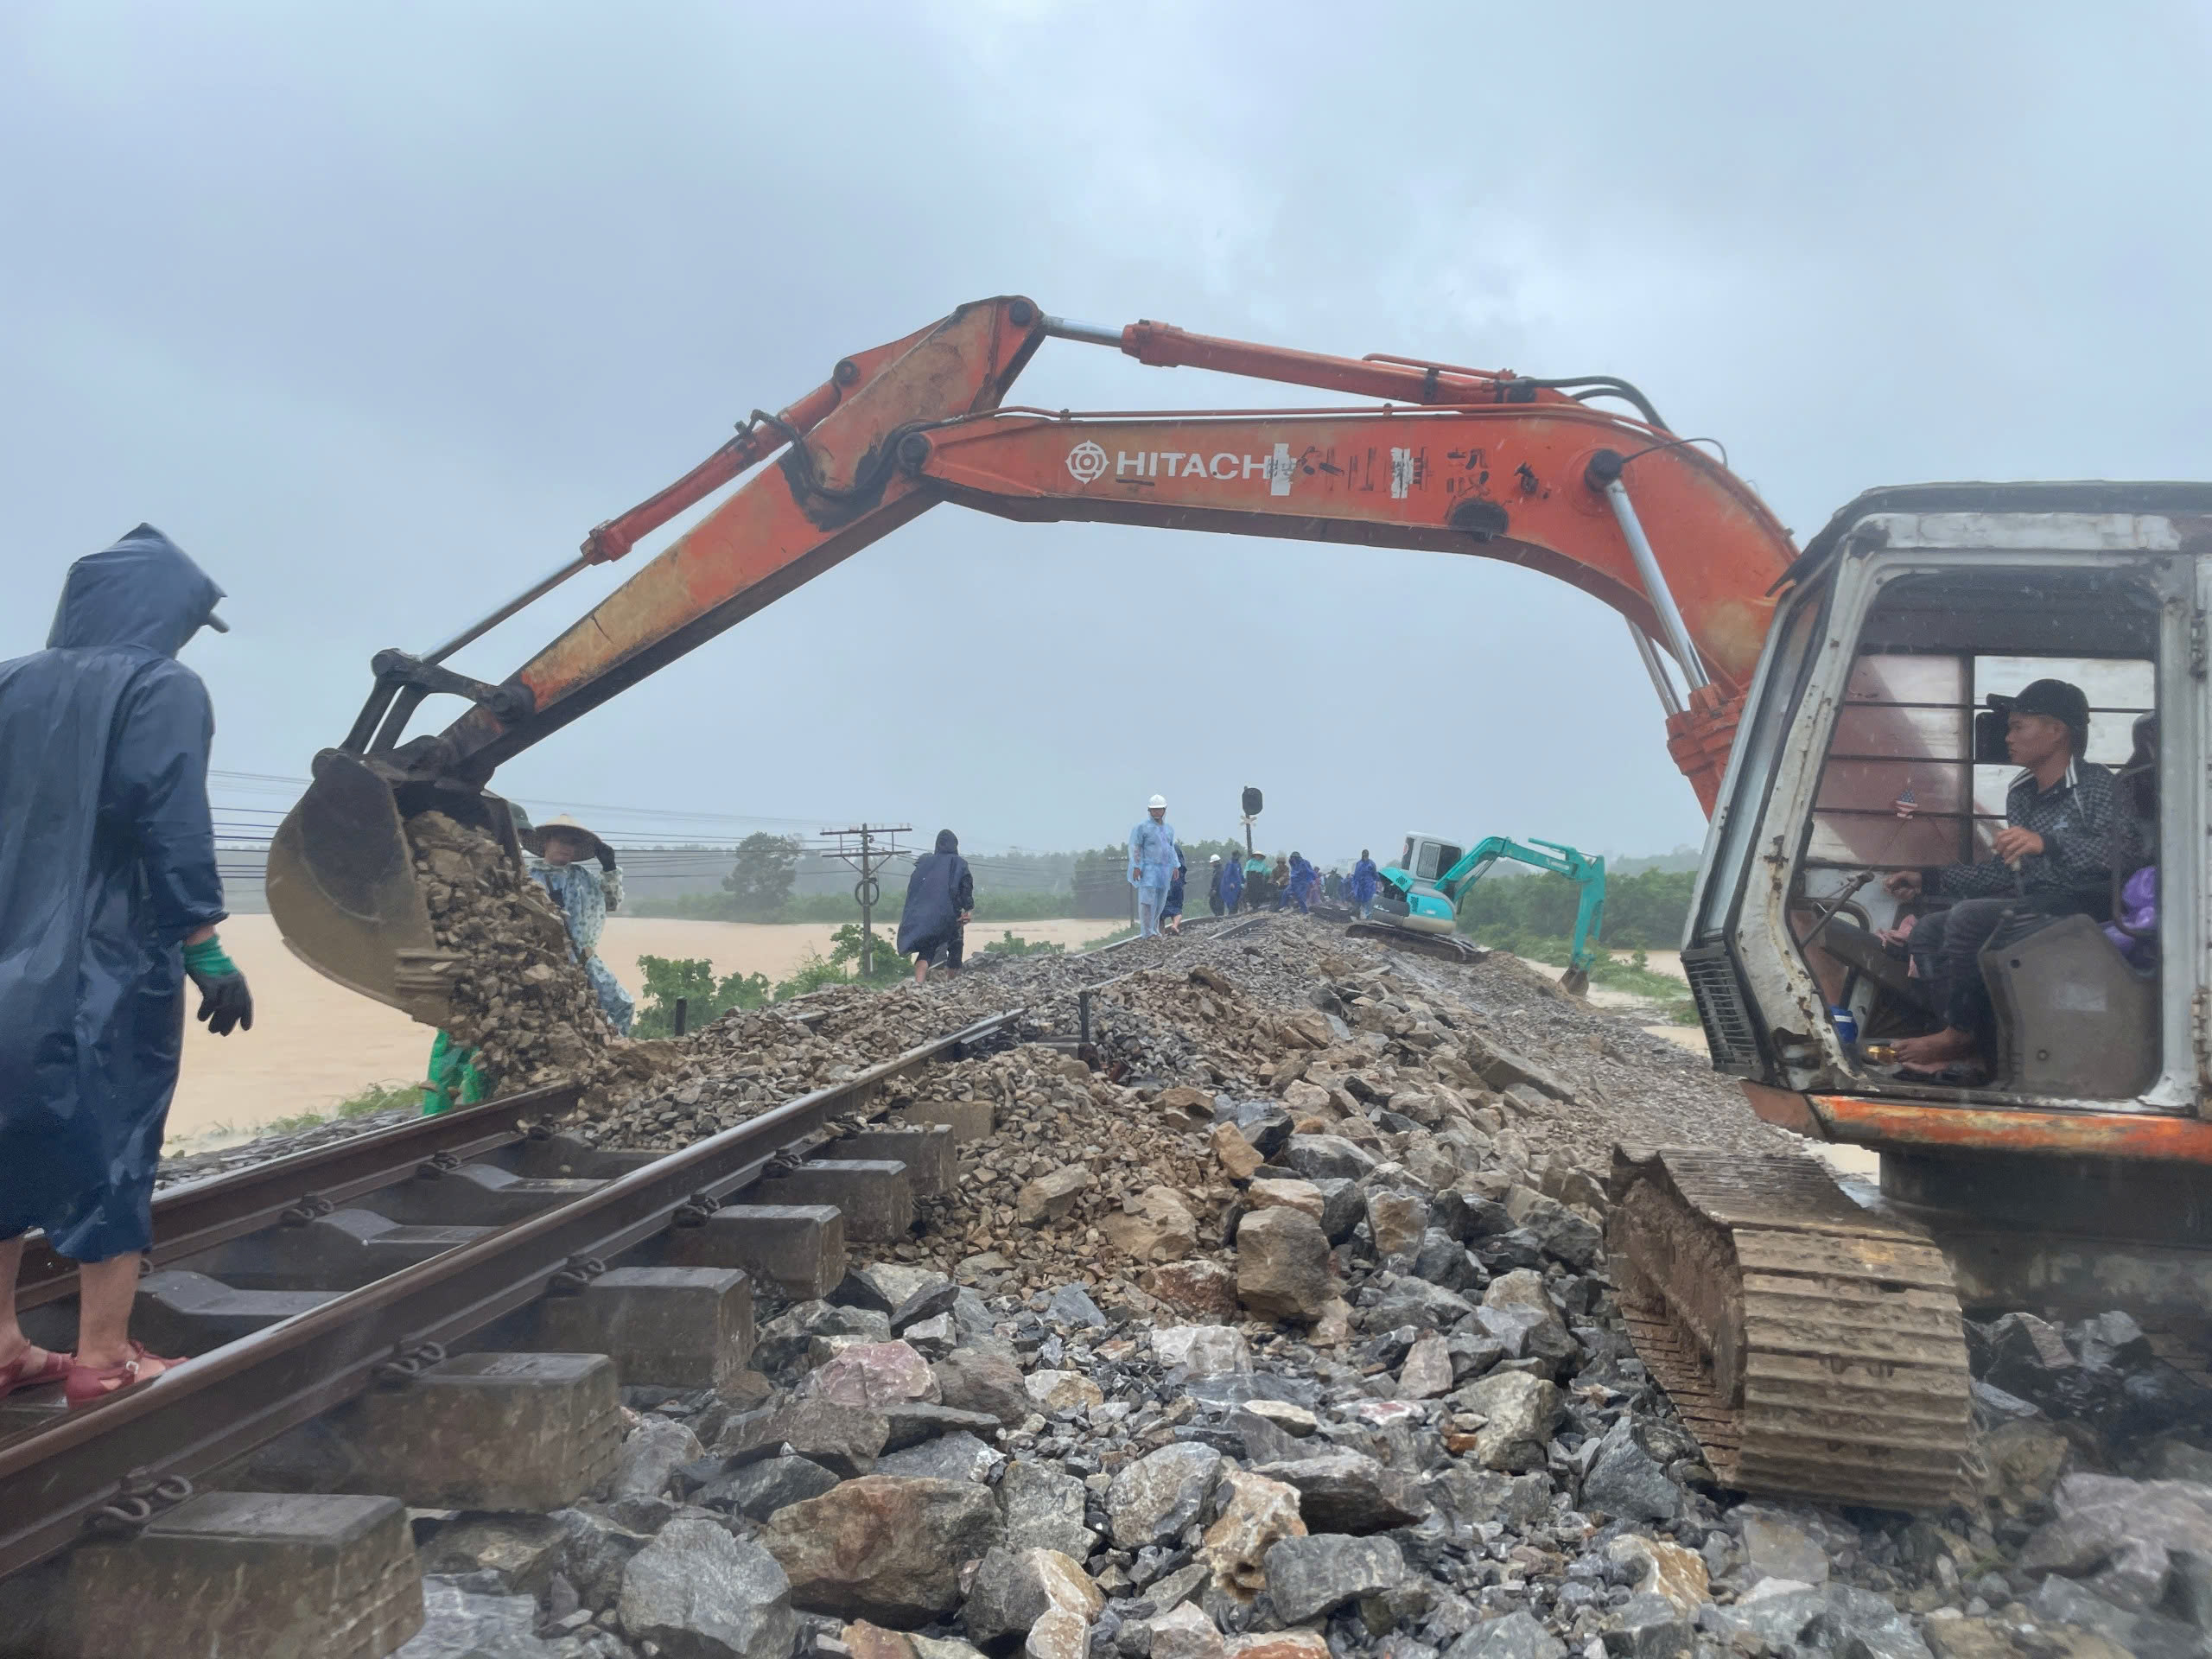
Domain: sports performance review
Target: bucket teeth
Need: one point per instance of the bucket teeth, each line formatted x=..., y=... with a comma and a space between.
x=1814, y=1349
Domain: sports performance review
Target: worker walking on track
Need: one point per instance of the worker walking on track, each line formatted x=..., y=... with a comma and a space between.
x=109, y=898
x=940, y=898
x=1232, y=884
x=1152, y=858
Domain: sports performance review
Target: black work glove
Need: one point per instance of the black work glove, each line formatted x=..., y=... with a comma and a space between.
x=225, y=1004
x=606, y=857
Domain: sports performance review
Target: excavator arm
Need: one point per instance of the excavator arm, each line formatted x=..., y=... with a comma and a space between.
x=1452, y=460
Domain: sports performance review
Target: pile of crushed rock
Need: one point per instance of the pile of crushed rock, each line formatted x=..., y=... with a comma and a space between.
x=518, y=996
x=1297, y=1342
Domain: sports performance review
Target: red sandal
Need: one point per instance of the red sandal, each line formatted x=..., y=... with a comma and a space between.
x=86, y=1384
x=18, y=1373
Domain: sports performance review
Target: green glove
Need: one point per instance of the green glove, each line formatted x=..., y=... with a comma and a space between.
x=225, y=1004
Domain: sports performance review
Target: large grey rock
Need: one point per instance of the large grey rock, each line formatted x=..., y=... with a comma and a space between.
x=888, y=1287
x=1283, y=1268
x=701, y=1594
x=882, y=1548
x=1860, y=1625
x=1521, y=1411
x=1202, y=1350
x=1517, y=1636
x=1014, y=1588
x=1650, y=1627
x=1442, y=1260
x=1331, y=1157
x=912, y=1424
x=1562, y=1234
x=1043, y=1509
x=1308, y=1578
x=958, y=1456
x=845, y=1439
x=1155, y=1497
x=1071, y=1304
x=651, y=1456
x=1777, y=1611
x=1775, y=1547
x=787, y=1340
x=2059, y=1600
x=759, y=1490
x=1347, y=1491
x=458, y=1625
x=2122, y=1534
x=1473, y=1496
x=972, y=1380
x=595, y=1552
x=1344, y=1205
x=1417, y=1302
x=523, y=1551
x=1625, y=1481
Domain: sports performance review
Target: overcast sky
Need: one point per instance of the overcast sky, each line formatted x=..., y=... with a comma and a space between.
x=378, y=316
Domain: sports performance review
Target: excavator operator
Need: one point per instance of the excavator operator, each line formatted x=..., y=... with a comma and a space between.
x=2064, y=830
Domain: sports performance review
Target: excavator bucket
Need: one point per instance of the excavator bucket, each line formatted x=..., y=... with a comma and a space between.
x=342, y=886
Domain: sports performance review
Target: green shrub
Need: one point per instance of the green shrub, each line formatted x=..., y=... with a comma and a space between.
x=706, y=997
x=1013, y=945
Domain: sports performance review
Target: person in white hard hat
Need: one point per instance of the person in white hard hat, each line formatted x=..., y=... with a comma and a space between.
x=1213, y=884
x=1152, y=858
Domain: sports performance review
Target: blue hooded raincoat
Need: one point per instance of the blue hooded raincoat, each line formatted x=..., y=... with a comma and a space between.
x=107, y=860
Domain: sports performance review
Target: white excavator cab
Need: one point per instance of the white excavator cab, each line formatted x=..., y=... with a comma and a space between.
x=1811, y=1328
x=1868, y=748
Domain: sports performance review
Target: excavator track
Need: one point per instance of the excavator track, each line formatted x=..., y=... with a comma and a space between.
x=1449, y=947
x=1814, y=1350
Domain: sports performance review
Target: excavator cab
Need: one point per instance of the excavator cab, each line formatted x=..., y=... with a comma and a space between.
x=1809, y=1328
x=1864, y=749
x=1407, y=895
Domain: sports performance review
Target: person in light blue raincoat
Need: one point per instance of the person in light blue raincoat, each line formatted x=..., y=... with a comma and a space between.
x=1152, y=858
x=579, y=870
x=109, y=898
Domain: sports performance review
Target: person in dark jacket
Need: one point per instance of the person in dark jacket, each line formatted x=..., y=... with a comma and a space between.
x=1213, y=884
x=109, y=898
x=1171, y=913
x=2064, y=830
x=940, y=898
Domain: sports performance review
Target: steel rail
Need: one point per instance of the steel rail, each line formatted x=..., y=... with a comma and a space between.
x=55, y=1479
x=197, y=1215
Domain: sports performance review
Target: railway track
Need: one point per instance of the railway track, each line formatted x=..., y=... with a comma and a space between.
x=297, y=1284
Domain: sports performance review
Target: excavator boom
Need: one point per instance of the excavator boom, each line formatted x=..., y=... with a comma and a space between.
x=1457, y=460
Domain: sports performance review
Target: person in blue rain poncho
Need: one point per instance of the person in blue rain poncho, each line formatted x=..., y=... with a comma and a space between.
x=1232, y=884
x=1302, y=875
x=940, y=898
x=1366, y=881
x=109, y=898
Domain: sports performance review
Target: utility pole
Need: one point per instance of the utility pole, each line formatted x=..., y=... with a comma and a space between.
x=868, y=847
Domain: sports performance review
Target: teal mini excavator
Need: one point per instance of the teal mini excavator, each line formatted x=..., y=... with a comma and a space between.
x=1420, y=892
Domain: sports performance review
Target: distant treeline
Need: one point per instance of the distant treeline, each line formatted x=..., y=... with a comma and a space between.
x=1643, y=912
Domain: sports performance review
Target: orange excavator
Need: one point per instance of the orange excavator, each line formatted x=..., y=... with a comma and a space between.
x=1826, y=704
